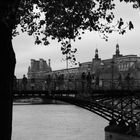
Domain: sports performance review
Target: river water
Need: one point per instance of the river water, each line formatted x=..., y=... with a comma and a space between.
x=56, y=122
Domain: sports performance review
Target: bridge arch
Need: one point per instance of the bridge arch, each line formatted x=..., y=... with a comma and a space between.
x=119, y=107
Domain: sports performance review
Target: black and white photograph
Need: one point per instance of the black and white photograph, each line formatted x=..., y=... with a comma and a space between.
x=70, y=69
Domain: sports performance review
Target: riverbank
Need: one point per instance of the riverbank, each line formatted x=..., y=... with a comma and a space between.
x=117, y=136
x=33, y=101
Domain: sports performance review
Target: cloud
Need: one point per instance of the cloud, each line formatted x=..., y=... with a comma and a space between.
x=129, y=44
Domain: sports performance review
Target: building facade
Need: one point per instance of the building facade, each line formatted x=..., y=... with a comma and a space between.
x=38, y=68
x=117, y=65
x=120, y=65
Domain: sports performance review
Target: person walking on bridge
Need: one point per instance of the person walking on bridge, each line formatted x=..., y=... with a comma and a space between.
x=120, y=81
x=88, y=77
x=127, y=79
x=97, y=82
x=24, y=82
x=83, y=78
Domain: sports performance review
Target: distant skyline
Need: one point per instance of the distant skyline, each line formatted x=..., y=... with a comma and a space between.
x=129, y=43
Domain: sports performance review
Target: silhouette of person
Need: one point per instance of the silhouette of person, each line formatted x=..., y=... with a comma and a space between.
x=132, y=82
x=15, y=83
x=120, y=81
x=61, y=81
x=93, y=79
x=32, y=83
x=24, y=82
x=83, y=78
x=127, y=79
x=48, y=80
x=97, y=82
x=88, y=77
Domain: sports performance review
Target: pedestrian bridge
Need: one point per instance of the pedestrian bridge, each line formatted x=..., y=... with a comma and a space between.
x=120, y=106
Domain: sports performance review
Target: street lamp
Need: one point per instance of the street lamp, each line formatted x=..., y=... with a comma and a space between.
x=67, y=61
x=112, y=73
x=112, y=84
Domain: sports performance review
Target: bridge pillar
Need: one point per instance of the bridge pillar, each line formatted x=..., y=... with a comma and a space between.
x=118, y=136
x=121, y=131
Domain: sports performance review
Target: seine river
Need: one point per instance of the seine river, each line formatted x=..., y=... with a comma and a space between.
x=56, y=122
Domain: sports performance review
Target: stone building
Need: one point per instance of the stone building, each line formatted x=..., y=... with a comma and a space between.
x=105, y=69
x=38, y=68
x=118, y=64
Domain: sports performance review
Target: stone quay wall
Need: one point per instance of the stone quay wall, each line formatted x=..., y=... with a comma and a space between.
x=117, y=136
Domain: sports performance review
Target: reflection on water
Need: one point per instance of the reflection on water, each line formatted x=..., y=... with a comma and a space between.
x=56, y=122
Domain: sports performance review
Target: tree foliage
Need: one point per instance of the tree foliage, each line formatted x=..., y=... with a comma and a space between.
x=64, y=20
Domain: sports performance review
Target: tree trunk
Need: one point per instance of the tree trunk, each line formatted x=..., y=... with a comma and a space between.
x=8, y=61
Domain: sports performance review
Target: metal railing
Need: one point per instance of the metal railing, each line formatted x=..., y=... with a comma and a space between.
x=76, y=84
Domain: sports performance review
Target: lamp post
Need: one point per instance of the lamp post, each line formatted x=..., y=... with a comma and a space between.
x=67, y=72
x=112, y=85
x=67, y=61
x=112, y=73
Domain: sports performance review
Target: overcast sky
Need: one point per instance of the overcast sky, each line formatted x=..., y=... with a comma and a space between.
x=129, y=43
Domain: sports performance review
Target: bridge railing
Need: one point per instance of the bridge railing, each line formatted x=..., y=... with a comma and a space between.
x=75, y=84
